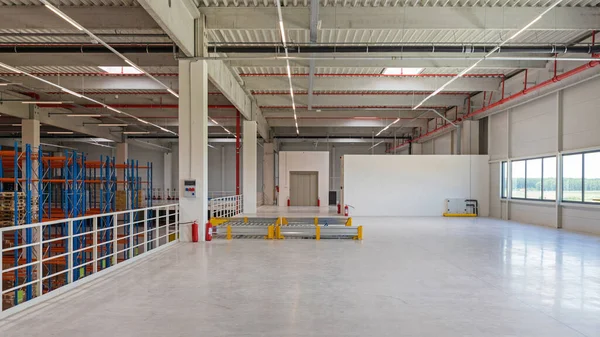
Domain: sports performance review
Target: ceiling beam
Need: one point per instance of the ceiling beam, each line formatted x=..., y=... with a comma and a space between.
x=361, y=100
x=373, y=83
x=16, y=109
x=402, y=18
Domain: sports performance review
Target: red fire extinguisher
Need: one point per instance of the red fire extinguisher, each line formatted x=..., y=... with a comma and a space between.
x=346, y=210
x=195, y=232
x=339, y=208
x=209, y=228
x=319, y=202
x=289, y=203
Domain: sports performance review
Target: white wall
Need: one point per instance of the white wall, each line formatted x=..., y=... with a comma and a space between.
x=413, y=185
x=303, y=161
x=533, y=130
x=336, y=151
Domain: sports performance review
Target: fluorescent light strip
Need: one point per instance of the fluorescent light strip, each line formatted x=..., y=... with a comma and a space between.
x=90, y=34
x=287, y=61
x=71, y=92
x=112, y=124
x=43, y=102
x=465, y=71
x=60, y=132
x=136, y=132
x=62, y=15
x=83, y=115
x=388, y=126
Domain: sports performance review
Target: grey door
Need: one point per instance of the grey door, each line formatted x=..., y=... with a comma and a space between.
x=304, y=188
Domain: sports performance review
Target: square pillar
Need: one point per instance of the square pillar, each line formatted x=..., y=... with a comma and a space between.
x=121, y=158
x=30, y=133
x=268, y=173
x=193, y=145
x=168, y=173
x=249, y=167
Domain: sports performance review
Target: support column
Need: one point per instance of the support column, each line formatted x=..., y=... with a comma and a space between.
x=121, y=158
x=30, y=133
x=249, y=167
x=470, y=137
x=168, y=173
x=193, y=145
x=269, y=173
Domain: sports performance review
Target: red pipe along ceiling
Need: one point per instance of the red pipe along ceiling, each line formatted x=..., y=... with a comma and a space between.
x=519, y=94
x=358, y=93
x=175, y=106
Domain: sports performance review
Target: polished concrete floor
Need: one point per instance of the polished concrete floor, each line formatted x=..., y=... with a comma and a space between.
x=409, y=277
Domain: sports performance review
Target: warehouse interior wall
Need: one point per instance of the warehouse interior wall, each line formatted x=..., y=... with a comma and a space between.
x=413, y=185
x=304, y=161
x=336, y=151
x=561, y=122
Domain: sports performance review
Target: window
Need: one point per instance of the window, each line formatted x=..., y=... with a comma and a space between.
x=591, y=177
x=504, y=182
x=534, y=179
x=572, y=174
x=518, y=179
x=549, y=179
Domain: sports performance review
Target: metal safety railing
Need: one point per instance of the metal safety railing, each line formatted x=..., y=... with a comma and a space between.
x=39, y=259
x=226, y=207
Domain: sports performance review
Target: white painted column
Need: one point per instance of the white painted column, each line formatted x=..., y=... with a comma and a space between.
x=193, y=145
x=30, y=133
x=470, y=137
x=417, y=148
x=121, y=158
x=249, y=166
x=269, y=173
x=168, y=173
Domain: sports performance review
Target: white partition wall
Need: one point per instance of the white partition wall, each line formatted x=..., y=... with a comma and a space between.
x=413, y=185
x=307, y=161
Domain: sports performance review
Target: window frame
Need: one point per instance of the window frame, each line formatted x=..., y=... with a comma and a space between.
x=562, y=178
x=504, y=180
x=541, y=179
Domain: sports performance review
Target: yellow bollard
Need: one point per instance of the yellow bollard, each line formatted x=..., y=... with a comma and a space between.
x=270, y=235
x=228, y=232
x=245, y=219
x=278, y=222
x=278, y=235
x=284, y=221
x=317, y=233
x=359, y=235
x=316, y=221
x=349, y=222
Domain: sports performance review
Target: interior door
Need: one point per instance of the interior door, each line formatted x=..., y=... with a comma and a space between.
x=304, y=190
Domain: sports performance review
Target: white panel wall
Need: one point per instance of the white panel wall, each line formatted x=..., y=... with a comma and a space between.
x=495, y=206
x=581, y=108
x=533, y=128
x=443, y=144
x=428, y=147
x=498, y=142
x=303, y=161
x=533, y=132
x=413, y=185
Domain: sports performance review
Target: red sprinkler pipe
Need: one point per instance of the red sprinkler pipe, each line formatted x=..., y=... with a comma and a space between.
x=237, y=152
x=539, y=86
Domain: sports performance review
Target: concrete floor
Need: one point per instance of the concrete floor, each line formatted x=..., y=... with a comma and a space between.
x=409, y=277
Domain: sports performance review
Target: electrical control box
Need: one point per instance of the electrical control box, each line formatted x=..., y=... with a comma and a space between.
x=458, y=206
x=189, y=188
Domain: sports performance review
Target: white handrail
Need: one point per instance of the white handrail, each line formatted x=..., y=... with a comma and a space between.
x=226, y=207
x=77, y=244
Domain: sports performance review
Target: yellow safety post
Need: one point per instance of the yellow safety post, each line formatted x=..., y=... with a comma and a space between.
x=284, y=221
x=317, y=233
x=228, y=232
x=278, y=235
x=278, y=221
x=453, y=215
x=349, y=222
x=245, y=219
x=359, y=235
x=218, y=221
x=316, y=221
x=270, y=232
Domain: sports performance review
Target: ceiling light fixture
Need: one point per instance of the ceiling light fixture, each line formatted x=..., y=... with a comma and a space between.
x=120, y=70
x=71, y=92
x=45, y=102
x=388, y=126
x=111, y=124
x=62, y=15
x=224, y=128
x=93, y=36
x=402, y=71
x=136, y=132
x=60, y=132
x=83, y=115
x=495, y=49
x=7, y=84
x=287, y=64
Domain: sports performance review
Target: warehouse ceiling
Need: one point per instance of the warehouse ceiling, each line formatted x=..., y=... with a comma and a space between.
x=355, y=66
